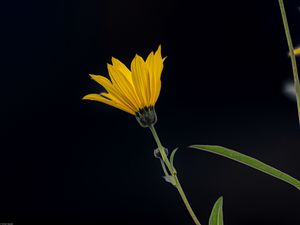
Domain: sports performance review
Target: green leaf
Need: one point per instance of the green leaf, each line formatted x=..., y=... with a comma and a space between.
x=249, y=161
x=172, y=157
x=216, y=216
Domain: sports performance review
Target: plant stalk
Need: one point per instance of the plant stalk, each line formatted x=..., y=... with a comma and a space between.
x=292, y=55
x=174, y=175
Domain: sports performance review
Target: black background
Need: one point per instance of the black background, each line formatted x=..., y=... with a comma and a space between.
x=68, y=161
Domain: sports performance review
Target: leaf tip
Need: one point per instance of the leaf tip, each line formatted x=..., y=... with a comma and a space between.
x=220, y=200
x=193, y=146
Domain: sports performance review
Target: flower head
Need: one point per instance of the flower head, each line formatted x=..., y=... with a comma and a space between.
x=134, y=91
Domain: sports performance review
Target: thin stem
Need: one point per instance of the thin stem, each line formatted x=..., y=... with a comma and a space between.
x=174, y=175
x=186, y=202
x=292, y=54
x=160, y=147
x=164, y=167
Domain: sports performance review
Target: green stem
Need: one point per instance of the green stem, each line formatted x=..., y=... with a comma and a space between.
x=164, y=167
x=292, y=54
x=174, y=175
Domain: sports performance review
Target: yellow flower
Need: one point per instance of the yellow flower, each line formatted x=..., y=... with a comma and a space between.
x=135, y=91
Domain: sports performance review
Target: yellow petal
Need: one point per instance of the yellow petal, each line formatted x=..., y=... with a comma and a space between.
x=153, y=78
x=297, y=51
x=158, y=67
x=99, y=98
x=103, y=81
x=123, y=86
x=114, y=99
x=120, y=66
x=140, y=80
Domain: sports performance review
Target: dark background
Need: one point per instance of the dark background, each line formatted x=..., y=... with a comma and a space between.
x=68, y=161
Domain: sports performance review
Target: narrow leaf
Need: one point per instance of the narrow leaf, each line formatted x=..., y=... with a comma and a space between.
x=172, y=157
x=216, y=216
x=249, y=161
